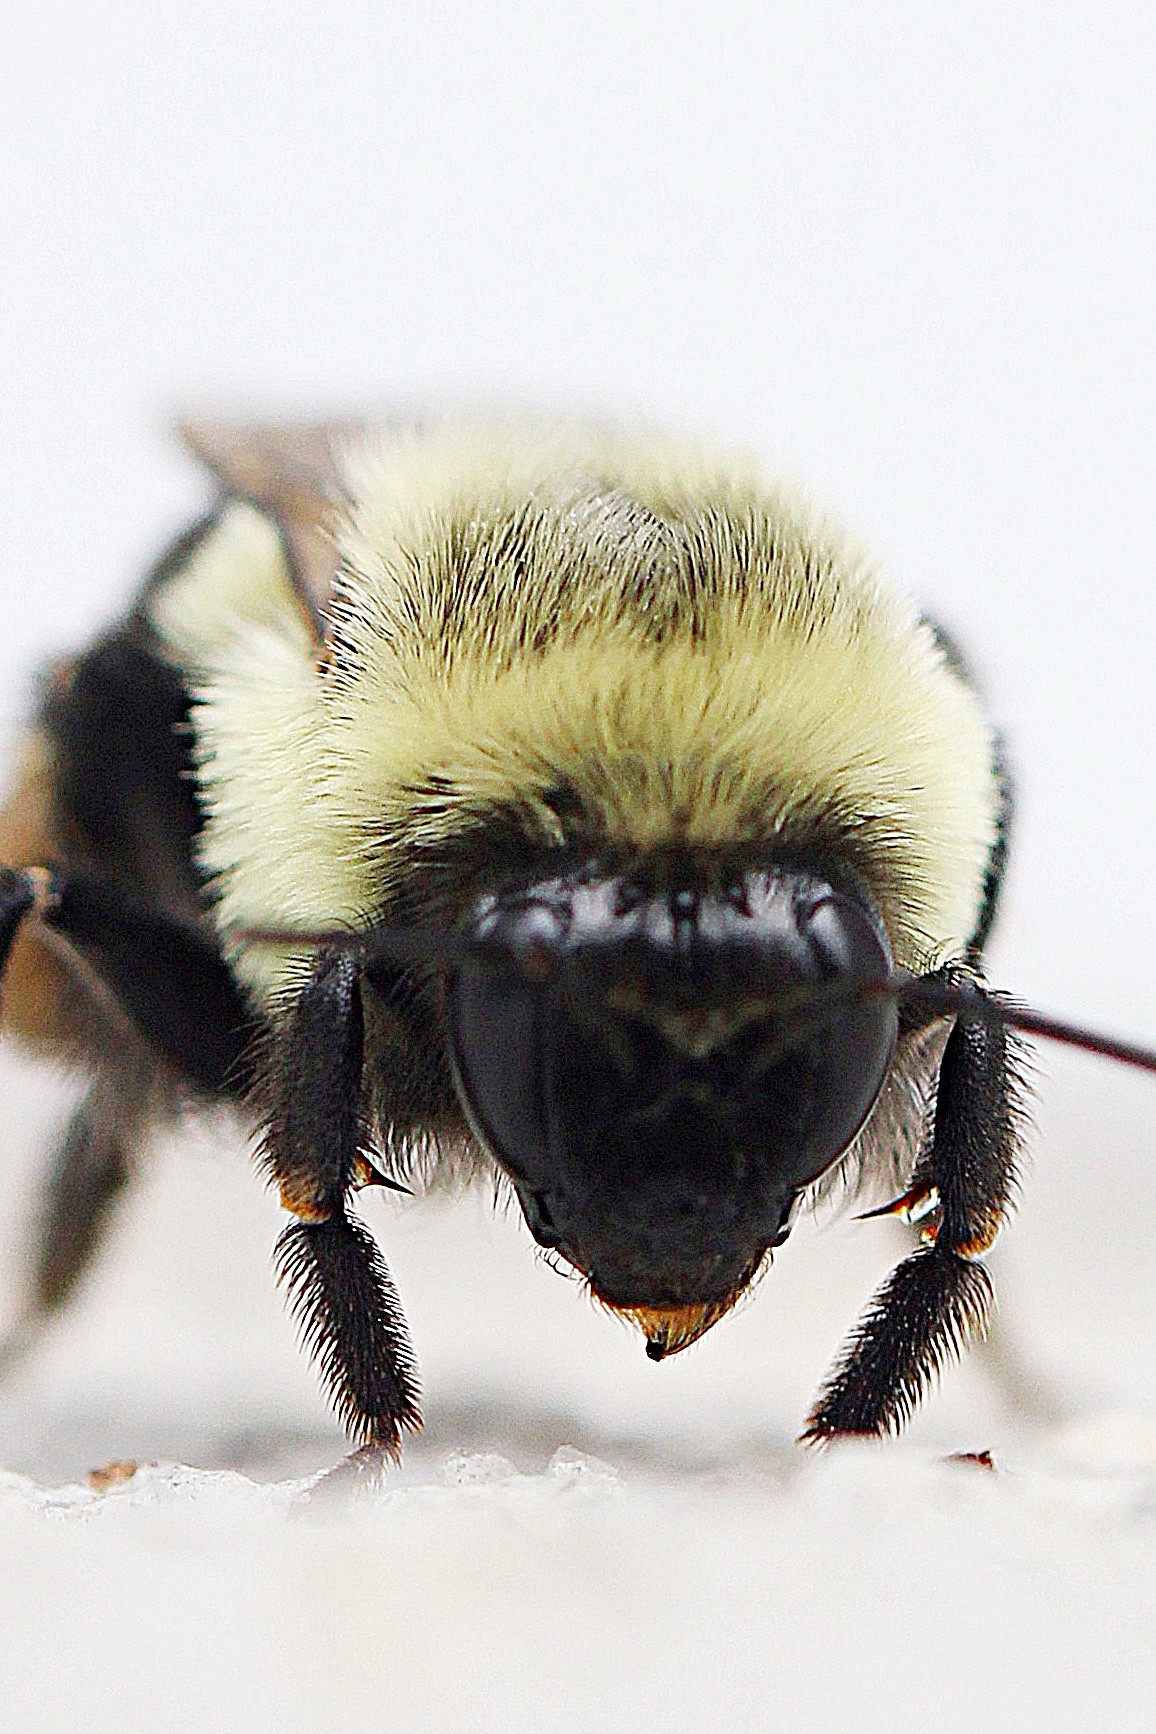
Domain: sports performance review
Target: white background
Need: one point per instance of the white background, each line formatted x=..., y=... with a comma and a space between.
x=907, y=255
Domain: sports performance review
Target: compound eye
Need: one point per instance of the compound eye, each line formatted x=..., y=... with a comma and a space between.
x=845, y=940
x=826, y=1084
x=495, y=1022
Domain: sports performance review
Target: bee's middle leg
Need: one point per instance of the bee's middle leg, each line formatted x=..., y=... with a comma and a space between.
x=91, y=1167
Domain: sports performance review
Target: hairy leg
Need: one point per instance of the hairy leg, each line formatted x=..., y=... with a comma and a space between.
x=90, y=1169
x=940, y=1296
x=91, y=1166
x=338, y=1283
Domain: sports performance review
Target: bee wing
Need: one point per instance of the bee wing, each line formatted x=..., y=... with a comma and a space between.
x=293, y=474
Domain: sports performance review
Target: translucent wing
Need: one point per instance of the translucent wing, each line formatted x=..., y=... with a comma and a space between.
x=293, y=474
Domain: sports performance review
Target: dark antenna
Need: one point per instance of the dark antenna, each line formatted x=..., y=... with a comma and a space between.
x=936, y=994
x=437, y=946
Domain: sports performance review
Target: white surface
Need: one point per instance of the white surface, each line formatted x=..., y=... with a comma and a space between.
x=499, y=1601
x=907, y=257
x=582, y=1537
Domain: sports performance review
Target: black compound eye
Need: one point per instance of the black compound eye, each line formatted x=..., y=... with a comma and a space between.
x=815, y=1071
x=495, y=1022
x=846, y=941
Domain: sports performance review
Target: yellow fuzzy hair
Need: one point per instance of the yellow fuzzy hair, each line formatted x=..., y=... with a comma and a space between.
x=696, y=658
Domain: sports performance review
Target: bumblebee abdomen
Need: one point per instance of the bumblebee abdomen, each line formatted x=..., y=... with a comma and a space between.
x=125, y=801
x=106, y=791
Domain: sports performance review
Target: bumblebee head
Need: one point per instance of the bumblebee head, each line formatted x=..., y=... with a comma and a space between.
x=662, y=1068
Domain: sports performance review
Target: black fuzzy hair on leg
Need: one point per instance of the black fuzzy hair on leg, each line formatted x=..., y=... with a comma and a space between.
x=343, y=1297
x=925, y=1314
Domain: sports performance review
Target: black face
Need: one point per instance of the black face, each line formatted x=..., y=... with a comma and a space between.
x=655, y=1071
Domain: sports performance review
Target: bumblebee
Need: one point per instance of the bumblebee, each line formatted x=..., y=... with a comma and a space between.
x=570, y=806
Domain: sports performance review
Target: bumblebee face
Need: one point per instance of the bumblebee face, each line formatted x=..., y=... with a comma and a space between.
x=655, y=1071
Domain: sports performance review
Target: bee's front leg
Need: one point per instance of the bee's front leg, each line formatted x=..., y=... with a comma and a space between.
x=338, y=1283
x=165, y=976
x=939, y=1297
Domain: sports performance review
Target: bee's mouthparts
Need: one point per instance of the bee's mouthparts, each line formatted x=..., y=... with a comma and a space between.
x=669, y=1329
